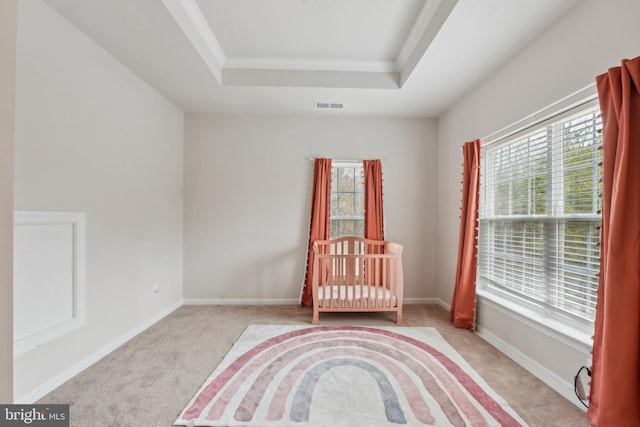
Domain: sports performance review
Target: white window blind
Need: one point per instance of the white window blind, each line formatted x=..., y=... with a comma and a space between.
x=539, y=217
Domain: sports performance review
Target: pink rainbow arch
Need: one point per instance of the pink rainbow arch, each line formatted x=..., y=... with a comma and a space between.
x=380, y=346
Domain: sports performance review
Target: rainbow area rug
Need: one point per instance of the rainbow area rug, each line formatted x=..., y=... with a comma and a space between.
x=351, y=376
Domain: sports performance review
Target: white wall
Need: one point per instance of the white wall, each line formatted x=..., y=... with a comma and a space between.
x=247, y=199
x=92, y=137
x=8, y=18
x=592, y=37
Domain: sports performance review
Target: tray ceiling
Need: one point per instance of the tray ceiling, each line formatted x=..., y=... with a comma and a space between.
x=408, y=58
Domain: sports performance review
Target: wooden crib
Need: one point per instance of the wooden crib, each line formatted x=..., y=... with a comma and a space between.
x=354, y=274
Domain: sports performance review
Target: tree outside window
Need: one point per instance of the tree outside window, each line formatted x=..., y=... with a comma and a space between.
x=347, y=200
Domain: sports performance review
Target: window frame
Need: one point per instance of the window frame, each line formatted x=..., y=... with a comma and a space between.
x=358, y=166
x=552, y=317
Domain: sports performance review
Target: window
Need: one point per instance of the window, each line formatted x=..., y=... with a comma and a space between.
x=347, y=200
x=539, y=214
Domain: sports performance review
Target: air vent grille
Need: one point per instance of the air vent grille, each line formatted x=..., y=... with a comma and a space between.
x=329, y=105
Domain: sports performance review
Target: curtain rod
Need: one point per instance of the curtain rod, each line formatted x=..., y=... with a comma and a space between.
x=349, y=161
x=580, y=96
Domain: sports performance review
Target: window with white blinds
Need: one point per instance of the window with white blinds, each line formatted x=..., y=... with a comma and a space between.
x=539, y=217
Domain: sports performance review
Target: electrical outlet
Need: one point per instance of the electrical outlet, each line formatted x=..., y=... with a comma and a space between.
x=156, y=288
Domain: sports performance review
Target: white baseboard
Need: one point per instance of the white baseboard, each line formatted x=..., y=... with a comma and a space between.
x=59, y=379
x=410, y=301
x=541, y=372
x=290, y=301
x=240, y=301
x=443, y=304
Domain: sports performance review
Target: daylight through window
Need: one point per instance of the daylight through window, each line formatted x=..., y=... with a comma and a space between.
x=539, y=217
x=347, y=200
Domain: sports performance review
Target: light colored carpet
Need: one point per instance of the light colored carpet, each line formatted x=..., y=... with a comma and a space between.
x=150, y=379
x=345, y=376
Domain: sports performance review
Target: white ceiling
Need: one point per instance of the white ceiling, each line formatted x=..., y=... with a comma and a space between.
x=409, y=58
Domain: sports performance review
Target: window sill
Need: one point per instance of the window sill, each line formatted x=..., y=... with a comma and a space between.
x=553, y=328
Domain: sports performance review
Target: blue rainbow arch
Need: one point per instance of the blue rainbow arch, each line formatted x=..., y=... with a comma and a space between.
x=302, y=398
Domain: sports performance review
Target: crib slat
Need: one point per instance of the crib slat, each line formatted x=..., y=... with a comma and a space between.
x=381, y=284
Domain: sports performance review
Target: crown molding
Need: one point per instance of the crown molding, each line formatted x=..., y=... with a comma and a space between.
x=289, y=72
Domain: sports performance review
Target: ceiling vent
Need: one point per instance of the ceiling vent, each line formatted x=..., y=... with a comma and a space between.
x=329, y=105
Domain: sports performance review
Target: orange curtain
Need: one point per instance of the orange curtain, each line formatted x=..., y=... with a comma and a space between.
x=615, y=383
x=373, y=210
x=463, y=304
x=319, y=228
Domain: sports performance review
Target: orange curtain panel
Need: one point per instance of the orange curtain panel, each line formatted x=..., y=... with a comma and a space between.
x=615, y=383
x=319, y=228
x=463, y=304
x=373, y=209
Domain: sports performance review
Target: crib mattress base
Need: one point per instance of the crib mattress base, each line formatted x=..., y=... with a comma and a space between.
x=360, y=296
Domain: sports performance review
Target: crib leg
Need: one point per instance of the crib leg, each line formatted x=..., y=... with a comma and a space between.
x=315, y=319
x=399, y=318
